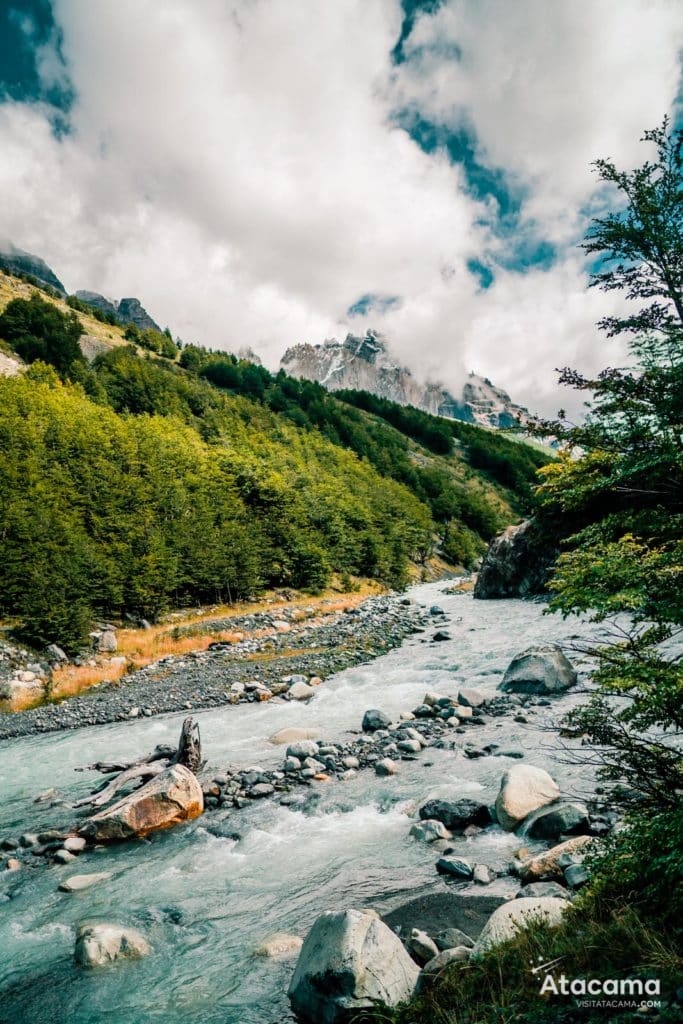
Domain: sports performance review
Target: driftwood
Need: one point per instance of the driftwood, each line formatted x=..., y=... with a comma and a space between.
x=187, y=753
x=189, y=750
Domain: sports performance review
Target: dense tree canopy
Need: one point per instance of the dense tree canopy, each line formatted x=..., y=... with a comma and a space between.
x=36, y=329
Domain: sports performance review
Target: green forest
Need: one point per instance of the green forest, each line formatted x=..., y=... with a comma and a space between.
x=143, y=481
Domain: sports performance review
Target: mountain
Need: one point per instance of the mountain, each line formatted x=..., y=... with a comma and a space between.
x=367, y=364
x=17, y=261
x=126, y=311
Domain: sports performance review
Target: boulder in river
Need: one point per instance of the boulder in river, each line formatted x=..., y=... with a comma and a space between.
x=301, y=691
x=280, y=946
x=374, y=719
x=430, y=830
x=551, y=863
x=350, y=961
x=514, y=916
x=517, y=563
x=77, y=883
x=470, y=697
x=456, y=814
x=540, y=670
x=292, y=735
x=171, y=797
x=100, y=944
x=302, y=749
x=556, y=820
x=524, y=788
x=455, y=867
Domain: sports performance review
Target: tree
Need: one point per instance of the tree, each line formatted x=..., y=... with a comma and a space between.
x=38, y=330
x=625, y=493
x=641, y=247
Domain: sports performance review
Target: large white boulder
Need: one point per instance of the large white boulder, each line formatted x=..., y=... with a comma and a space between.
x=543, y=669
x=524, y=788
x=100, y=944
x=512, y=917
x=350, y=961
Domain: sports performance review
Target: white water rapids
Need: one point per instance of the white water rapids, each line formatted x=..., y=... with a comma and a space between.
x=206, y=902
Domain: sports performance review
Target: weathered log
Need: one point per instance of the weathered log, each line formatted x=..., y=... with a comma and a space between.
x=190, y=746
x=188, y=753
x=139, y=772
x=161, y=752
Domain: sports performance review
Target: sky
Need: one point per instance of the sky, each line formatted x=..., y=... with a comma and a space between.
x=267, y=172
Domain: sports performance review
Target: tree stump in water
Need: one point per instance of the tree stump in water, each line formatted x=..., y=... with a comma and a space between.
x=190, y=746
x=188, y=753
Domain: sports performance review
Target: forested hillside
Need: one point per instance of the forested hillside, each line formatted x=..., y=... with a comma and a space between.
x=140, y=481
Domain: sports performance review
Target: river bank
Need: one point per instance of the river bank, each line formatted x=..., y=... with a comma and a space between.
x=278, y=645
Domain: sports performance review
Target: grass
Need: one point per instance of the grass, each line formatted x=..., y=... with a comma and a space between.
x=184, y=632
x=597, y=939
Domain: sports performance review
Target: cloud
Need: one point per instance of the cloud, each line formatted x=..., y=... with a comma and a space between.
x=242, y=168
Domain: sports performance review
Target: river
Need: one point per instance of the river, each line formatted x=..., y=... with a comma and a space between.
x=204, y=901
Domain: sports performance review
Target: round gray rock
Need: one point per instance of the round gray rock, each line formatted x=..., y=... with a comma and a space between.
x=374, y=719
x=542, y=669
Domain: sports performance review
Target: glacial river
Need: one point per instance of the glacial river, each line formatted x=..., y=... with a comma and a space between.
x=205, y=902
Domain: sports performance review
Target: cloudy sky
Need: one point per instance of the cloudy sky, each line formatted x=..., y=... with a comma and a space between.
x=264, y=172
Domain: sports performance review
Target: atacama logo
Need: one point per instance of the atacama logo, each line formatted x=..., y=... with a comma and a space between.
x=604, y=992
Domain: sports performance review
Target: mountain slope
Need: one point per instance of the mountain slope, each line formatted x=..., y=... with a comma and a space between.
x=138, y=483
x=366, y=364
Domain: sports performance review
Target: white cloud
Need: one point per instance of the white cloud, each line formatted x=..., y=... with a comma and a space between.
x=236, y=166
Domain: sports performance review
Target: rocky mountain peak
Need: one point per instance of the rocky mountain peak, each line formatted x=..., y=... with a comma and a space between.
x=17, y=261
x=366, y=363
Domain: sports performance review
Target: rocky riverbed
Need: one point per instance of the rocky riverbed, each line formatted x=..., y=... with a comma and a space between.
x=257, y=668
x=284, y=838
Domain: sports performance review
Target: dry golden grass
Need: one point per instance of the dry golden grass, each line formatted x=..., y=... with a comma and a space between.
x=73, y=679
x=191, y=631
x=22, y=701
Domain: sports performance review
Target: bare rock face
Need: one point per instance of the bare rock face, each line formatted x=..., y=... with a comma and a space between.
x=172, y=797
x=523, y=789
x=539, y=670
x=517, y=563
x=508, y=920
x=18, y=261
x=131, y=311
x=366, y=363
x=350, y=961
x=101, y=944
